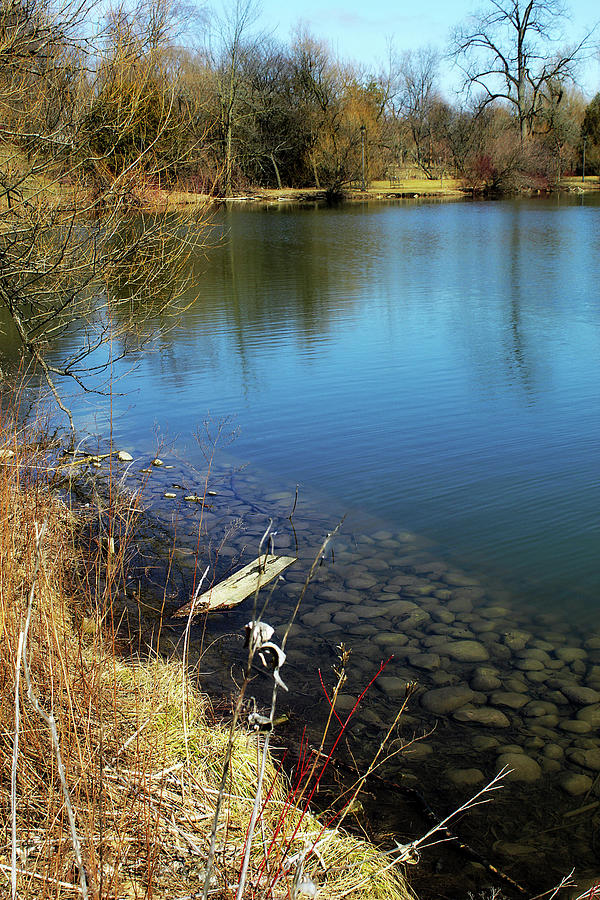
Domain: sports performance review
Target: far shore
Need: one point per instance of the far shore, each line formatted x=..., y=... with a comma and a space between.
x=406, y=189
x=409, y=188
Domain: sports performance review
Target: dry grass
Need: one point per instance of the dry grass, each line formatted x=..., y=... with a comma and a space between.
x=142, y=787
x=575, y=184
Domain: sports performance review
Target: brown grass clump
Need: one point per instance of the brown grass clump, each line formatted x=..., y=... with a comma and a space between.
x=128, y=783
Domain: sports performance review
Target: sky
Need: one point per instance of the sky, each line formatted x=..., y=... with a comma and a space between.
x=359, y=30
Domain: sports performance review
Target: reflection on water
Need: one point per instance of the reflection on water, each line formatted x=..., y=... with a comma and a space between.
x=434, y=367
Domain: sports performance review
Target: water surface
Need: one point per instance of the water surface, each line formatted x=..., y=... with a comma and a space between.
x=433, y=364
x=433, y=370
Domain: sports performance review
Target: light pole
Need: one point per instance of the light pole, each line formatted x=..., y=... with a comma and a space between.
x=363, y=129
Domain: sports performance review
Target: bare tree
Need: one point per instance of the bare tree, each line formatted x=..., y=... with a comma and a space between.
x=514, y=52
x=316, y=92
x=417, y=77
x=232, y=38
x=82, y=136
x=560, y=126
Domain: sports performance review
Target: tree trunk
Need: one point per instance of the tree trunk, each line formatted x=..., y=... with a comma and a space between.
x=316, y=174
x=277, y=175
x=228, y=160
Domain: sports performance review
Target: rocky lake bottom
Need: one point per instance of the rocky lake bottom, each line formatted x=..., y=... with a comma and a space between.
x=500, y=682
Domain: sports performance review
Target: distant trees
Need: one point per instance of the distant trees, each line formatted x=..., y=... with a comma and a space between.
x=272, y=114
x=232, y=42
x=418, y=99
x=514, y=53
x=318, y=92
x=590, y=131
x=559, y=129
x=291, y=115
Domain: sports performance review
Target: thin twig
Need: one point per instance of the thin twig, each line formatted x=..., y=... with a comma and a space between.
x=50, y=721
x=184, y=676
x=13, y=774
x=265, y=750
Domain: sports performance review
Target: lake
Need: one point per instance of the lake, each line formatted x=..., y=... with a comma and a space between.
x=432, y=369
x=433, y=364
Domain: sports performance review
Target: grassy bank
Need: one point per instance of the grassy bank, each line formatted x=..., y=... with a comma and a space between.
x=405, y=188
x=412, y=186
x=111, y=766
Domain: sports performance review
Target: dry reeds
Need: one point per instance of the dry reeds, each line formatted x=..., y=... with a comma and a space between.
x=104, y=793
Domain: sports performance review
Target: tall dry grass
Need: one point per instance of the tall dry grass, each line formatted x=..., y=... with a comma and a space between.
x=110, y=770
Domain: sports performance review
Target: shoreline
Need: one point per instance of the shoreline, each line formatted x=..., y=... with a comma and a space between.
x=384, y=191
x=424, y=767
x=138, y=745
x=158, y=200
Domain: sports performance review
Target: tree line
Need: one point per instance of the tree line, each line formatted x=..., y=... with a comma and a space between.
x=271, y=114
x=210, y=103
x=101, y=106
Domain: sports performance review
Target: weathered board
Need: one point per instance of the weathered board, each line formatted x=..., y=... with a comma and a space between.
x=239, y=585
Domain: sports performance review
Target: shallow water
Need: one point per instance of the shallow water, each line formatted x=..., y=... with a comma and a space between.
x=498, y=683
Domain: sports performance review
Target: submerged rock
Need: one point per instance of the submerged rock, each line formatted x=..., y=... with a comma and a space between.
x=486, y=715
x=428, y=661
x=529, y=664
x=441, y=677
x=485, y=679
x=496, y=612
x=345, y=702
x=575, y=726
x=465, y=777
x=464, y=651
x=508, y=698
x=570, y=654
x=485, y=742
x=417, y=751
x=575, y=784
x=590, y=714
x=524, y=768
x=539, y=708
x=576, y=693
x=444, y=700
x=516, y=685
x=391, y=639
x=392, y=687
x=516, y=640
x=553, y=751
x=399, y=607
x=591, y=759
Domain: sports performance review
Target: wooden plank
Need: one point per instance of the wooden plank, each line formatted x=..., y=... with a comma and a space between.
x=239, y=585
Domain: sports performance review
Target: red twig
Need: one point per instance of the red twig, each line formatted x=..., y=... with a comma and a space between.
x=382, y=666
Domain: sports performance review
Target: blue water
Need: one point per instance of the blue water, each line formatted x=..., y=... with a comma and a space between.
x=436, y=365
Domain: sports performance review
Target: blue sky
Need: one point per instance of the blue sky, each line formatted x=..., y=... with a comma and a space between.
x=358, y=30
